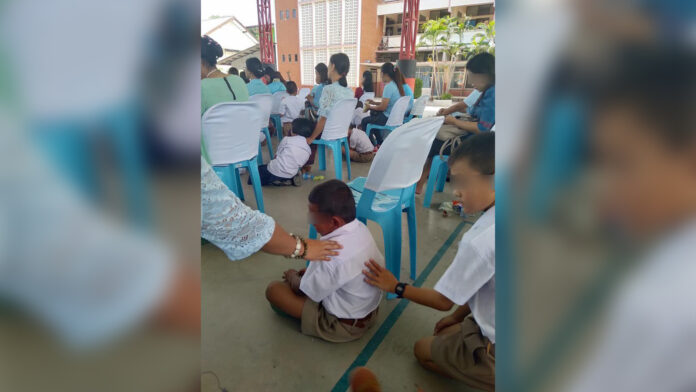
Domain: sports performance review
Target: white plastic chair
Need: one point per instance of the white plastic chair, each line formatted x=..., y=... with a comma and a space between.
x=275, y=112
x=265, y=103
x=335, y=134
x=230, y=134
x=418, y=107
x=390, y=186
x=396, y=117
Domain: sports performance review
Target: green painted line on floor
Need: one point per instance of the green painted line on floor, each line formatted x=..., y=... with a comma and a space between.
x=379, y=336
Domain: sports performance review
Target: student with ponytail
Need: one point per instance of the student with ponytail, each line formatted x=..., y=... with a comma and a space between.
x=395, y=88
x=339, y=65
x=255, y=72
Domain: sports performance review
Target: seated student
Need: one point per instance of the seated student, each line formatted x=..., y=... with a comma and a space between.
x=293, y=152
x=290, y=107
x=463, y=346
x=393, y=90
x=321, y=75
x=361, y=148
x=255, y=73
x=331, y=298
x=276, y=82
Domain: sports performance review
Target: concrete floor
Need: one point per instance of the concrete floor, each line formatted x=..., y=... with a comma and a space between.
x=251, y=348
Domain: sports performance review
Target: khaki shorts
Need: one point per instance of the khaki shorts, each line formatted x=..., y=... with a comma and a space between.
x=287, y=127
x=316, y=321
x=361, y=157
x=464, y=355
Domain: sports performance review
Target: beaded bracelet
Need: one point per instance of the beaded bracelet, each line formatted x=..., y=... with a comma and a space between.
x=298, y=246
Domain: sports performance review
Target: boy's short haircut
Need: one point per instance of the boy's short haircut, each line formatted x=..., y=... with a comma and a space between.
x=302, y=127
x=291, y=87
x=479, y=151
x=658, y=84
x=334, y=198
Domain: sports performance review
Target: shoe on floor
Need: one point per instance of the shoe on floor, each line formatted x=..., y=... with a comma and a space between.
x=297, y=180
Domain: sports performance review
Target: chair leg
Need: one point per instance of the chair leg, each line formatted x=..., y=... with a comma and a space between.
x=369, y=131
x=432, y=180
x=269, y=143
x=391, y=230
x=239, y=182
x=236, y=182
x=441, y=176
x=256, y=182
x=412, y=239
x=347, y=147
x=278, y=126
x=321, y=154
x=312, y=232
x=259, y=158
x=338, y=161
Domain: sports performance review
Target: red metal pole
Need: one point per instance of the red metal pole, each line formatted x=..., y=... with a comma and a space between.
x=407, y=51
x=265, y=31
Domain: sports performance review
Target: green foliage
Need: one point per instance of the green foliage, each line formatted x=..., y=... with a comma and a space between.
x=418, y=89
x=446, y=96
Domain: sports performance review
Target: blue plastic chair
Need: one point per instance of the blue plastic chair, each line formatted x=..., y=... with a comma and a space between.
x=278, y=126
x=230, y=176
x=389, y=190
x=230, y=134
x=396, y=117
x=269, y=143
x=265, y=103
x=418, y=108
x=436, y=178
x=335, y=135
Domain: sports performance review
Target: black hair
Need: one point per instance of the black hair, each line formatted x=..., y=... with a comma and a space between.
x=210, y=51
x=253, y=65
x=482, y=63
x=233, y=71
x=658, y=84
x=291, y=87
x=367, y=82
x=479, y=151
x=395, y=75
x=302, y=126
x=323, y=71
x=270, y=72
x=334, y=198
x=244, y=77
x=341, y=64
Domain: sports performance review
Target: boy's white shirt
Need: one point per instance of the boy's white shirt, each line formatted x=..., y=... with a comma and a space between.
x=290, y=108
x=650, y=329
x=471, y=276
x=293, y=152
x=360, y=142
x=339, y=284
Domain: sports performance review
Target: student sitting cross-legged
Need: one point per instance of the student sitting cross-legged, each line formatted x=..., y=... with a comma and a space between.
x=331, y=298
x=463, y=344
x=293, y=152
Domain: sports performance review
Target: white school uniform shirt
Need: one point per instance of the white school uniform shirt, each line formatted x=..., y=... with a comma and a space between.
x=647, y=343
x=290, y=108
x=339, y=284
x=360, y=142
x=471, y=276
x=293, y=152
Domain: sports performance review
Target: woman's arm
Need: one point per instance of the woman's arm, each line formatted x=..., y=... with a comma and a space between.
x=380, y=277
x=282, y=243
x=317, y=130
x=470, y=126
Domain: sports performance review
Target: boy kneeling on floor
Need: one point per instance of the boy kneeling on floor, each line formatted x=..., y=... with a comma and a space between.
x=463, y=344
x=331, y=298
x=293, y=152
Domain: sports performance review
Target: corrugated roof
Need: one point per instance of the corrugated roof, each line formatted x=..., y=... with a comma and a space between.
x=229, y=33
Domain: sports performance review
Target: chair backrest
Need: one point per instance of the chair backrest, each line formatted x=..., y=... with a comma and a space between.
x=337, y=123
x=396, y=117
x=277, y=98
x=399, y=161
x=230, y=132
x=304, y=92
x=366, y=96
x=419, y=106
x=265, y=103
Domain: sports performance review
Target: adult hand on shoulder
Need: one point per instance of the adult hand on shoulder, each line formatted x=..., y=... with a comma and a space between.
x=319, y=250
x=445, y=322
x=379, y=276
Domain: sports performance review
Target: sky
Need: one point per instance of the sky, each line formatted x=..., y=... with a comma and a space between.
x=244, y=10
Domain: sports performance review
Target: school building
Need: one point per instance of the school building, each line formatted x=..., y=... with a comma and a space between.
x=368, y=31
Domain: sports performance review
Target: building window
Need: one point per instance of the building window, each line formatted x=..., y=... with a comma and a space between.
x=281, y=14
x=283, y=58
x=295, y=57
x=287, y=14
x=294, y=13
